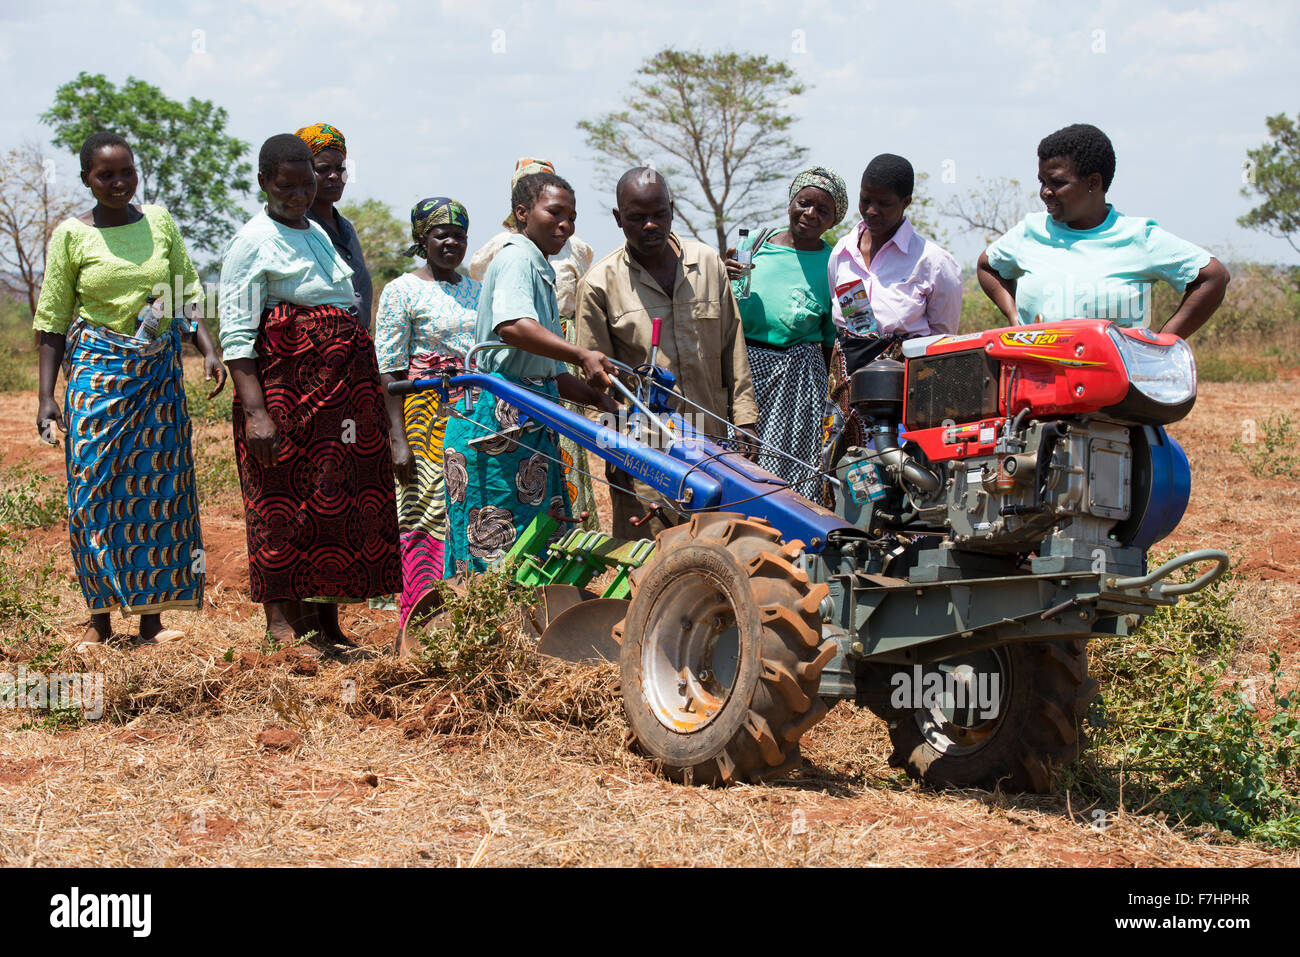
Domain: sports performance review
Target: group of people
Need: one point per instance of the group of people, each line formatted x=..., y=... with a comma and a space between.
x=351, y=493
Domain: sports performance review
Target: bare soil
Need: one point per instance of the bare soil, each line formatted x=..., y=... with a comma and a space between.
x=239, y=754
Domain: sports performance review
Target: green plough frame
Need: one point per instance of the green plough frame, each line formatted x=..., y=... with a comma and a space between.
x=575, y=559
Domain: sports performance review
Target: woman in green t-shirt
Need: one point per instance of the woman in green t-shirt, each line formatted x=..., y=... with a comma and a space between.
x=786, y=316
x=115, y=277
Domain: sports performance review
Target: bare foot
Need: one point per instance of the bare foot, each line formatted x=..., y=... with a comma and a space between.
x=327, y=616
x=281, y=621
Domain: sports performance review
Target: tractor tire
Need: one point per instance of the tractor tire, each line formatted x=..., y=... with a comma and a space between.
x=722, y=652
x=1044, y=697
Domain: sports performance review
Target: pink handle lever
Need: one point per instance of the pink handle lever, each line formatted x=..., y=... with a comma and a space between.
x=656, y=323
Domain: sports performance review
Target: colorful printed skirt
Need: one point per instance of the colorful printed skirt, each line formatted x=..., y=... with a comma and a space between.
x=495, y=487
x=577, y=470
x=790, y=386
x=132, y=508
x=322, y=520
x=422, y=503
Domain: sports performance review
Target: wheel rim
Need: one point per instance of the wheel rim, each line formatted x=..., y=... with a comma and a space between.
x=691, y=653
x=960, y=726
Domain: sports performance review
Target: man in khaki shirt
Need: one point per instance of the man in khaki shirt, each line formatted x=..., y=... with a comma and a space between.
x=685, y=282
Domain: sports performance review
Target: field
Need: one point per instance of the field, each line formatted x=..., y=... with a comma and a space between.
x=223, y=749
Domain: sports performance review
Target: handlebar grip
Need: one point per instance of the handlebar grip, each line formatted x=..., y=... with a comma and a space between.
x=408, y=386
x=655, y=325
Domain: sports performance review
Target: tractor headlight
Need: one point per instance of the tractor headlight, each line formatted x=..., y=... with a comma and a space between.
x=1163, y=373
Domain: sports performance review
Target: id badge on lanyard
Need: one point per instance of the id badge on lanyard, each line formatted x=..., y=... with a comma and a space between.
x=854, y=297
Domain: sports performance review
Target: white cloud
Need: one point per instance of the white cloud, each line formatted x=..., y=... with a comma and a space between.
x=429, y=109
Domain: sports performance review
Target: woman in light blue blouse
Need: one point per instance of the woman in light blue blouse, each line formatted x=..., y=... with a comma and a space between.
x=425, y=322
x=311, y=436
x=1084, y=259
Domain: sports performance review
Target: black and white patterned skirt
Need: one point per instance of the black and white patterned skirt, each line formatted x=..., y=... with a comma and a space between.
x=791, y=387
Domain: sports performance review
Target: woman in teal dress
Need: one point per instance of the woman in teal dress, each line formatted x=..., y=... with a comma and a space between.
x=786, y=316
x=115, y=278
x=499, y=478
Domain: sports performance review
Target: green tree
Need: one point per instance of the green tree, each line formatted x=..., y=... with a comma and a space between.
x=185, y=159
x=383, y=239
x=716, y=126
x=1273, y=173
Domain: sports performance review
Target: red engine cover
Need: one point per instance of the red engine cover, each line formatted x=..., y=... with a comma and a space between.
x=1053, y=369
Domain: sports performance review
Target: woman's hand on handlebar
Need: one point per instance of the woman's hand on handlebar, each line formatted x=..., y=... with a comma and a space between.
x=597, y=369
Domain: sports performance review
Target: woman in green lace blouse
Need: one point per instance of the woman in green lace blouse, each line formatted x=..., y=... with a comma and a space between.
x=115, y=278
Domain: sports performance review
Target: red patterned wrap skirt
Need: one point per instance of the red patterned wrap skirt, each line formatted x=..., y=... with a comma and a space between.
x=321, y=520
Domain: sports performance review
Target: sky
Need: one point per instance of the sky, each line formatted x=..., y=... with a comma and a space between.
x=440, y=98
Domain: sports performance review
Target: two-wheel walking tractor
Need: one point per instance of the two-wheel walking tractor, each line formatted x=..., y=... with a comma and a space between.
x=994, y=520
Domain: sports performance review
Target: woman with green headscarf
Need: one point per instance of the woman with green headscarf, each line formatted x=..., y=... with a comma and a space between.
x=425, y=321
x=786, y=316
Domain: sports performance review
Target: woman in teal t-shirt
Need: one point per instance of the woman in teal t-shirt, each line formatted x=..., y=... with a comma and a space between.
x=786, y=318
x=500, y=475
x=1083, y=259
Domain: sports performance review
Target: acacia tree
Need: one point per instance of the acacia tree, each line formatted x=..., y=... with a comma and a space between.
x=185, y=159
x=716, y=126
x=991, y=208
x=32, y=204
x=1273, y=173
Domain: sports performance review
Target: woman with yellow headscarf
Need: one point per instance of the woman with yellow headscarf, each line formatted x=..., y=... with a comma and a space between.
x=329, y=160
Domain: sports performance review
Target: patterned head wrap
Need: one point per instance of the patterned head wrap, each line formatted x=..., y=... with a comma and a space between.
x=830, y=182
x=322, y=136
x=525, y=166
x=435, y=211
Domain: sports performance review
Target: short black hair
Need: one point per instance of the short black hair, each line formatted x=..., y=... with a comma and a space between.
x=1087, y=147
x=96, y=142
x=530, y=187
x=892, y=172
x=639, y=175
x=282, y=148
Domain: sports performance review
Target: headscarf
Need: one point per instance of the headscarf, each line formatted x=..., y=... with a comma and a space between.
x=435, y=211
x=830, y=182
x=525, y=166
x=322, y=136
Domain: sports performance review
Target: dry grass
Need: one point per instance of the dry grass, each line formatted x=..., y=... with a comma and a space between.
x=377, y=761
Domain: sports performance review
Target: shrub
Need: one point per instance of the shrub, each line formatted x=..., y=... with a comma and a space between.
x=1174, y=732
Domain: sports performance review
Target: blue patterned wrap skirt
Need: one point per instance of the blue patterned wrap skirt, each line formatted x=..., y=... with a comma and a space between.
x=132, y=507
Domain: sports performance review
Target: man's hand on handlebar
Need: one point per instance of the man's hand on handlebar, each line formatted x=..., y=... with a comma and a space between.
x=744, y=444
